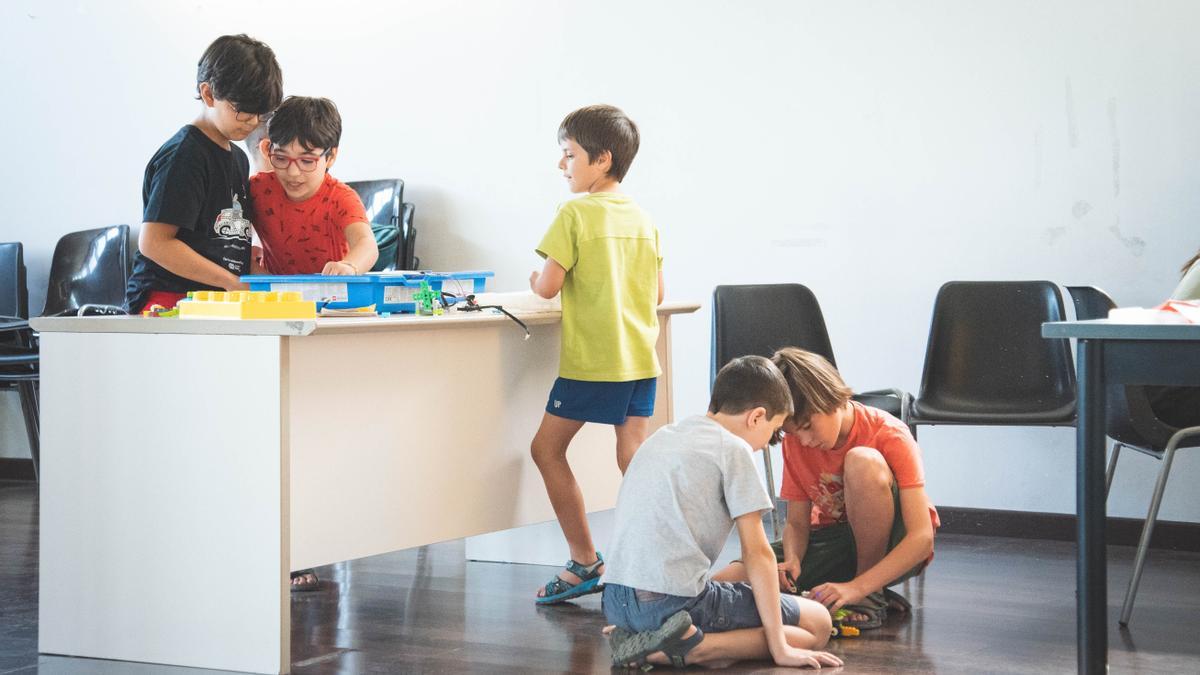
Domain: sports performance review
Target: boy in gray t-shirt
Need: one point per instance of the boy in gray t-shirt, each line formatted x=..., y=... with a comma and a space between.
x=687, y=487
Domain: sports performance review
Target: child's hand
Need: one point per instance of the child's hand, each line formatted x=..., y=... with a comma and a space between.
x=789, y=571
x=338, y=268
x=805, y=658
x=834, y=596
x=533, y=279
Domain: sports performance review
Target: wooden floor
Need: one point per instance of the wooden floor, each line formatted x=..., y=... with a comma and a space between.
x=993, y=605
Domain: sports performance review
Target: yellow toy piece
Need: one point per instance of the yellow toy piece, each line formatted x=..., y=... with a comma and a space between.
x=246, y=305
x=846, y=631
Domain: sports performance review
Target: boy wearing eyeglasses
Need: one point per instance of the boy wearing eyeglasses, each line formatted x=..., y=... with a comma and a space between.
x=194, y=234
x=308, y=221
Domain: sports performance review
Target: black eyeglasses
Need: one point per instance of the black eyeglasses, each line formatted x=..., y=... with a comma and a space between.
x=240, y=116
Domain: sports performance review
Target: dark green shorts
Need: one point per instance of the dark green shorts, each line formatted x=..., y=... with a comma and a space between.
x=833, y=556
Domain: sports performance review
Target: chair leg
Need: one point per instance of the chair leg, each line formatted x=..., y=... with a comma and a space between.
x=1112, y=469
x=1147, y=530
x=29, y=409
x=776, y=531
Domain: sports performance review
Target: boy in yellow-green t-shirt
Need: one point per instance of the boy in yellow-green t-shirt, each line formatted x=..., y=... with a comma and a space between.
x=602, y=253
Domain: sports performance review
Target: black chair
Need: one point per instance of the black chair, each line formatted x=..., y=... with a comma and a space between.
x=762, y=318
x=14, y=294
x=18, y=369
x=1132, y=423
x=88, y=268
x=986, y=362
x=386, y=211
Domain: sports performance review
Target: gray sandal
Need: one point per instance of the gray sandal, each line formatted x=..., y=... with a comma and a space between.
x=631, y=649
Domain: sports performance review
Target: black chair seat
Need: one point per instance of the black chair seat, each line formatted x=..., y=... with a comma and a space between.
x=995, y=413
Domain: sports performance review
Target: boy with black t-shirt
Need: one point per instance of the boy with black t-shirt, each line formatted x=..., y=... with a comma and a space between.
x=196, y=187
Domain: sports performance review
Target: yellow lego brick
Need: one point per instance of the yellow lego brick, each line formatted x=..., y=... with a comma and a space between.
x=246, y=305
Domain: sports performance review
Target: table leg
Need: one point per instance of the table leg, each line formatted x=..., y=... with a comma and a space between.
x=1092, y=589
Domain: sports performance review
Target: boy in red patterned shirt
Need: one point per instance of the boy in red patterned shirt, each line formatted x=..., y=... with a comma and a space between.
x=308, y=221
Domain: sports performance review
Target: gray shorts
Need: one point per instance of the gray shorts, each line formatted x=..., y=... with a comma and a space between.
x=721, y=606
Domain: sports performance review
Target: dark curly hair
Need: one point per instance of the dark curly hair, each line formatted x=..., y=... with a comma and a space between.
x=243, y=71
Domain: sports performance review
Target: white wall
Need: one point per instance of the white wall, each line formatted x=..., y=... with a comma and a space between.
x=869, y=150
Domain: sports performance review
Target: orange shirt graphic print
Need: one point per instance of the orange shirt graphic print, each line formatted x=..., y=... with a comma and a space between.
x=831, y=495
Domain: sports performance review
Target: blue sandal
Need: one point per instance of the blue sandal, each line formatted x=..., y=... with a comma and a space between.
x=559, y=590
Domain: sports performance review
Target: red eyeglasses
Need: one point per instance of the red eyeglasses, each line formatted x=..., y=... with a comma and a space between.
x=307, y=163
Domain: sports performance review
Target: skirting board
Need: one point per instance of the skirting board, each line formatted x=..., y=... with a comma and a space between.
x=1169, y=535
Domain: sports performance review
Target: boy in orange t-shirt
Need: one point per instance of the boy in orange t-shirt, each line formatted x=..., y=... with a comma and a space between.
x=308, y=221
x=858, y=518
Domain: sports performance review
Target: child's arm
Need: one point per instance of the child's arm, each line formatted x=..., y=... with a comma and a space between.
x=256, y=261
x=549, y=282
x=362, y=254
x=158, y=242
x=916, y=546
x=795, y=543
x=759, y=560
x=256, y=254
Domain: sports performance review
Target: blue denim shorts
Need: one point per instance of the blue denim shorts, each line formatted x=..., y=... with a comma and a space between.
x=721, y=606
x=602, y=402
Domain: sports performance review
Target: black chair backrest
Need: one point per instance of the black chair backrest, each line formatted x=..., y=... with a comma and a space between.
x=381, y=198
x=761, y=318
x=14, y=294
x=986, y=361
x=91, y=266
x=406, y=257
x=1090, y=302
x=1130, y=418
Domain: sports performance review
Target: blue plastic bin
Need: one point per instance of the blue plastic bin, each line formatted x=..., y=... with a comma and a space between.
x=465, y=283
x=337, y=292
x=388, y=291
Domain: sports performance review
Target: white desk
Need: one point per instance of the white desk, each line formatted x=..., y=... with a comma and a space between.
x=176, y=495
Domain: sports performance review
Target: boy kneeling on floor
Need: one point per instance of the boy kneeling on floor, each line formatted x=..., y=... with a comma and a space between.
x=683, y=493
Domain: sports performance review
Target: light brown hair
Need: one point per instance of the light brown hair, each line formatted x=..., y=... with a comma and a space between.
x=815, y=385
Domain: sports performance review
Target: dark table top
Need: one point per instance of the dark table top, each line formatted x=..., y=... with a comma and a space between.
x=1107, y=329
